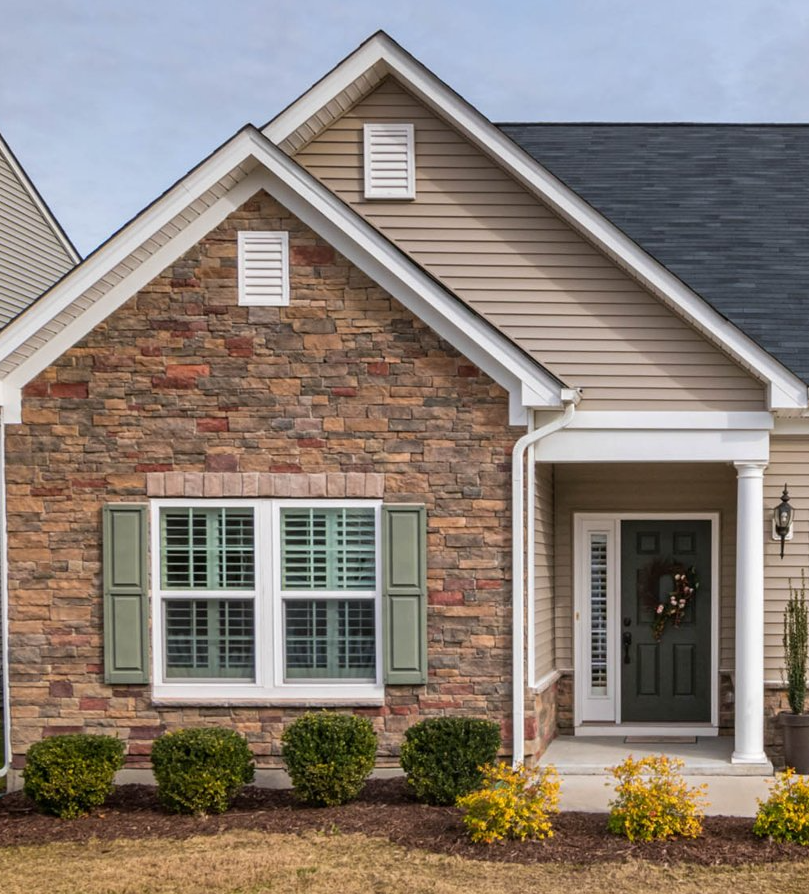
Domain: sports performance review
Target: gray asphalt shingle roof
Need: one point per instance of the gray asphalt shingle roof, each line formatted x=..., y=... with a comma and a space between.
x=724, y=207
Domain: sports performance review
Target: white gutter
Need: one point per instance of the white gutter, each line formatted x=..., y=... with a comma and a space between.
x=570, y=399
x=6, y=691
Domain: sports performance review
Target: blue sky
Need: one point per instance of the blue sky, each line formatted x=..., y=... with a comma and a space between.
x=107, y=102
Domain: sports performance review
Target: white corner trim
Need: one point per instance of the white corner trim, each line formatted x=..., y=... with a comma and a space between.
x=785, y=390
x=33, y=194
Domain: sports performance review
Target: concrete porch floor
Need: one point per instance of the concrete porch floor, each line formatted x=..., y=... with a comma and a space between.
x=733, y=789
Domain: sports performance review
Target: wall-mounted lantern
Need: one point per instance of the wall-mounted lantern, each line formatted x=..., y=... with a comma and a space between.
x=782, y=517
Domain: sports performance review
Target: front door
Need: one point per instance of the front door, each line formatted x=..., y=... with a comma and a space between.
x=665, y=679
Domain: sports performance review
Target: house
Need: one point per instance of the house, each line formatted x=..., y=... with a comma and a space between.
x=34, y=250
x=385, y=408
x=34, y=253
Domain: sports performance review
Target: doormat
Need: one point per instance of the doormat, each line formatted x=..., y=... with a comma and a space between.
x=660, y=740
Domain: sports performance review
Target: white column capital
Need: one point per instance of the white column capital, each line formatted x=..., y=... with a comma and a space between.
x=752, y=469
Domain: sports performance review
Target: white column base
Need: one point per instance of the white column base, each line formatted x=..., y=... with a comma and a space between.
x=740, y=758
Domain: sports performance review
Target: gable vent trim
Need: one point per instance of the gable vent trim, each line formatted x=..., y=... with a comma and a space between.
x=390, y=164
x=263, y=268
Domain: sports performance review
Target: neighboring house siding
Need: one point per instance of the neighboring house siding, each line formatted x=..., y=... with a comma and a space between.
x=544, y=639
x=343, y=382
x=32, y=256
x=527, y=271
x=652, y=488
x=789, y=464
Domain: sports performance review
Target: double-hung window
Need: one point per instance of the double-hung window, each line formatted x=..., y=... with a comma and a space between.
x=266, y=599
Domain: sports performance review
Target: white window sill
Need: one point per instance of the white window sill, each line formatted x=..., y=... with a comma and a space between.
x=306, y=694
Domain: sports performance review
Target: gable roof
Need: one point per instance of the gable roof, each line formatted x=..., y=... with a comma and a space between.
x=34, y=250
x=172, y=224
x=724, y=207
x=362, y=70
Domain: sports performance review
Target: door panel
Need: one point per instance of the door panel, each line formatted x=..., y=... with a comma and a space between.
x=669, y=680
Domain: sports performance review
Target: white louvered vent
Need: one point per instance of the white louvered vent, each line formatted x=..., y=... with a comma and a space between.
x=263, y=268
x=390, y=164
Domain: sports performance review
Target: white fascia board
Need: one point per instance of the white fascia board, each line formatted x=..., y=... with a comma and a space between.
x=647, y=445
x=322, y=211
x=618, y=420
x=48, y=353
x=35, y=197
x=785, y=389
x=120, y=246
x=320, y=94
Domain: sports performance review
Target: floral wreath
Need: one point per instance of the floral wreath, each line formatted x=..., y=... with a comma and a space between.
x=672, y=610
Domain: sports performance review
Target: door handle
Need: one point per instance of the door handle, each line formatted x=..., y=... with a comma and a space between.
x=626, y=640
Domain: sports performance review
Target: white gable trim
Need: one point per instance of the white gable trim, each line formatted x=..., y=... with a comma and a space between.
x=785, y=390
x=526, y=382
x=37, y=199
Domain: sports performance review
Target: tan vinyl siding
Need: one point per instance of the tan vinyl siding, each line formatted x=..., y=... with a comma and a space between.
x=32, y=257
x=653, y=488
x=545, y=658
x=789, y=463
x=515, y=262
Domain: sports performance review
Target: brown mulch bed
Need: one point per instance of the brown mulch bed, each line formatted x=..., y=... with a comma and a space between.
x=387, y=809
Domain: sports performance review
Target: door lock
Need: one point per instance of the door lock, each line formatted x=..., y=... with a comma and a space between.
x=626, y=640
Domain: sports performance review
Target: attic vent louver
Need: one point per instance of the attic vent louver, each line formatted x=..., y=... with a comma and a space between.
x=263, y=268
x=390, y=168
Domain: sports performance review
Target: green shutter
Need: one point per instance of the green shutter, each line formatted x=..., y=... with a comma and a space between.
x=126, y=610
x=404, y=593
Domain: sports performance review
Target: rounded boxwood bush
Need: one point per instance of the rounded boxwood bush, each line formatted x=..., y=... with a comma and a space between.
x=329, y=756
x=201, y=771
x=442, y=756
x=70, y=775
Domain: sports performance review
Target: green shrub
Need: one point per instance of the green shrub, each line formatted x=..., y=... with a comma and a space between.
x=201, y=771
x=653, y=801
x=784, y=816
x=514, y=802
x=443, y=756
x=70, y=775
x=329, y=756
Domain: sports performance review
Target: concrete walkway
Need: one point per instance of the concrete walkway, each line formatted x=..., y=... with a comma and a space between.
x=732, y=789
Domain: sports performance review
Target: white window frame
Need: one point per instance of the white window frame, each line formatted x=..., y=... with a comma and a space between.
x=282, y=238
x=269, y=684
x=372, y=192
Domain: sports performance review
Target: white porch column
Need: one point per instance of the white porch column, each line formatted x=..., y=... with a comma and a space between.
x=749, y=614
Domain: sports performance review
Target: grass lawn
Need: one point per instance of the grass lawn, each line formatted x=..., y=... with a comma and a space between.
x=246, y=862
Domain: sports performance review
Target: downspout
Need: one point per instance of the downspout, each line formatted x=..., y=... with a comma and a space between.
x=569, y=399
x=4, y=671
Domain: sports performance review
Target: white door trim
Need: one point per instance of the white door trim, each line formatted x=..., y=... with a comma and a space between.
x=605, y=719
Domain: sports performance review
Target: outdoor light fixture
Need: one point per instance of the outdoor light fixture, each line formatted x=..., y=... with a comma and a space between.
x=782, y=517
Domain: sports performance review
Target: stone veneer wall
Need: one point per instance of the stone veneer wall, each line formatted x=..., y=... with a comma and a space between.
x=181, y=391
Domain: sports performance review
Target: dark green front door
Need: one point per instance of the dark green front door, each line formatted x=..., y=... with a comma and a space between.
x=666, y=680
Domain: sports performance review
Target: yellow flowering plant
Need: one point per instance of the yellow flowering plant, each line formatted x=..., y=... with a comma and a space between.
x=513, y=802
x=784, y=816
x=653, y=802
